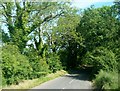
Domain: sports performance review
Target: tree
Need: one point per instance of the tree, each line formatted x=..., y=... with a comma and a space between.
x=25, y=19
x=95, y=30
x=71, y=40
x=25, y=23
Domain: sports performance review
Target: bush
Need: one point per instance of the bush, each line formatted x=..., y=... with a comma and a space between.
x=40, y=67
x=54, y=63
x=15, y=66
x=106, y=80
x=38, y=64
x=101, y=58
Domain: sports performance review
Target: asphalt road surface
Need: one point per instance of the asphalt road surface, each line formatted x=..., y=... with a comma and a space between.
x=68, y=81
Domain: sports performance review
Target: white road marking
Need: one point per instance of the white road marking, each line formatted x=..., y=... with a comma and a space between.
x=71, y=81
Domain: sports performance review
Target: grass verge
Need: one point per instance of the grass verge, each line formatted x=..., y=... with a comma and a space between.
x=27, y=84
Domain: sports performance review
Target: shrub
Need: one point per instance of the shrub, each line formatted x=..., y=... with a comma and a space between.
x=40, y=67
x=38, y=64
x=15, y=66
x=54, y=63
x=101, y=58
x=106, y=80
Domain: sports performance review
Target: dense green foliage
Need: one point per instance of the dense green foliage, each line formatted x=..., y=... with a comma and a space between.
x=46, y=37
x=105, y=80
x=99, y=28
x=101, y=58
x=15, y=66
x=54, y=63
x=24, y=54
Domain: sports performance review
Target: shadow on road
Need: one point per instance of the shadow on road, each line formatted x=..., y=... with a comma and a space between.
x=80, y=74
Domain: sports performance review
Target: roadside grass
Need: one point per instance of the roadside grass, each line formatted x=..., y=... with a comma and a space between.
x=28, y=84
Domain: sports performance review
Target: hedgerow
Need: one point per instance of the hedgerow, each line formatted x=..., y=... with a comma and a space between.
x=15, y=66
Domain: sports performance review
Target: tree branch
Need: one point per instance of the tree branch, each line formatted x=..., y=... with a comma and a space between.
x=50, y=17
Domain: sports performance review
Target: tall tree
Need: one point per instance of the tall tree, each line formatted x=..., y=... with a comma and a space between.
x=25, y=20
x=94, y=28
x=67, y=39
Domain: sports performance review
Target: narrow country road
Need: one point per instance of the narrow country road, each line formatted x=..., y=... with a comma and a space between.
x=69, y=81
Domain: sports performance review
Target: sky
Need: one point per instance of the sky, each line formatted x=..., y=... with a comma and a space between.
x=87, y=3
